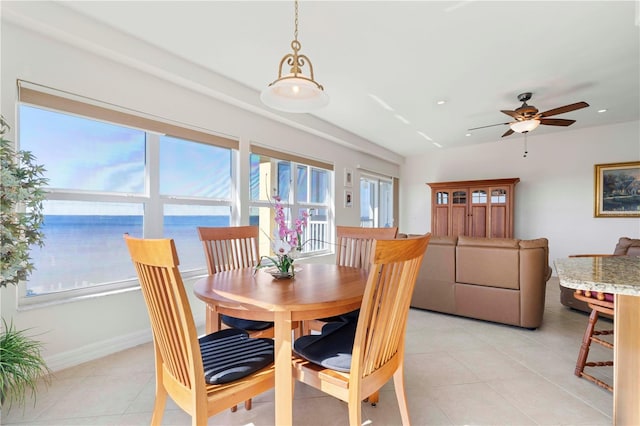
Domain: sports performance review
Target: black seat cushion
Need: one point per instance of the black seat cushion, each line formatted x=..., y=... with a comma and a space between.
x=243, y=324
x=230, y=354
x=351, y=316
x=332, y=348
x=348, y=317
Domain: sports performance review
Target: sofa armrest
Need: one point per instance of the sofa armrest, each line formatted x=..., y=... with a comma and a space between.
x=534, y=273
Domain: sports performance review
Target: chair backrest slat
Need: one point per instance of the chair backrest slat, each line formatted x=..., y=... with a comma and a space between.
x=229, y=248
x=174, y=332
x=355, y=244
x=383, y=315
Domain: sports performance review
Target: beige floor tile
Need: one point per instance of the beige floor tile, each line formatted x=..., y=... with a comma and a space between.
x=458, y=371
x=547, y=403
x=477, y=404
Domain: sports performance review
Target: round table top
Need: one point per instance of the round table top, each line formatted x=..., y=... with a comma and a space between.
x=315, y=287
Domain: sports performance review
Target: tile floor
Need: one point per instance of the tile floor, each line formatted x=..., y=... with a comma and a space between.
x=458, y=372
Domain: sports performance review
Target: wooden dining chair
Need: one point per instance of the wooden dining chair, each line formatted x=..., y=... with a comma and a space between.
x=353, y=248
x=205, y=375
x=229, y=248
x=352, y=360
x=355, y=244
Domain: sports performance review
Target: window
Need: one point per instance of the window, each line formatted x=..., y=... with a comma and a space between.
x=195, y=190
x=107, y=179
x=307, y=189
x=377, y=204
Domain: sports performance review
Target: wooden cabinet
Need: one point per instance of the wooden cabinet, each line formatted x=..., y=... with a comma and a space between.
x=476, y=208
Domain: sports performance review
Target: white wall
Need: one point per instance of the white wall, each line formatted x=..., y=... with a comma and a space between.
x=37, y=51
x=555, y=195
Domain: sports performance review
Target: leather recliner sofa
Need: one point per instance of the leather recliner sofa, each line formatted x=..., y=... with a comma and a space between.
x=494, y=279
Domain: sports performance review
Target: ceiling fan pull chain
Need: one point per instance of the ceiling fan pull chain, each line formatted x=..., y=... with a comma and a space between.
x=525, y=146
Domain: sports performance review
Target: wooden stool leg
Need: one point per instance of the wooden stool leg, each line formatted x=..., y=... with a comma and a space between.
x=586, y=341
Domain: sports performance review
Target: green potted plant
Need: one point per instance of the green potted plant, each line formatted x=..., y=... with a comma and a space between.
x=21, y=217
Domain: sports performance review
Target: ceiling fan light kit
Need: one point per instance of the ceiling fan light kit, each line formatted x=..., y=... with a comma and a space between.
x=527, y=117
x=524, y=126
x=295, y=92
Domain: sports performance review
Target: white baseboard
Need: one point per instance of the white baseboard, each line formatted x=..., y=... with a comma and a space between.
x=97, y=350
x=101, y=349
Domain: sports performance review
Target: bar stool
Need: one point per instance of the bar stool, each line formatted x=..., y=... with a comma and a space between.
x=600, y=303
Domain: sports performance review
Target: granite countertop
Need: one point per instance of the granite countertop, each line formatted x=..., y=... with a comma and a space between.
x=615, y=274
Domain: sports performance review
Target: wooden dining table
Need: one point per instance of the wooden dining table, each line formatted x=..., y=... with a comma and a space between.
x=316, y=291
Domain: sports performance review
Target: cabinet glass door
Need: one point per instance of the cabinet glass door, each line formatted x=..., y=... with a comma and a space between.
x=479, y=196
x=458, y=213
x=498, y=196
x=459, y=197
x=442, y=197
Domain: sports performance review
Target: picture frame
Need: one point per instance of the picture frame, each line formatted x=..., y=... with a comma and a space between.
x=617, y=189
x=348, y=178
x=348, y=198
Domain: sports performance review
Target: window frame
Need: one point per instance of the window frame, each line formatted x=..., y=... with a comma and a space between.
x=377, y=179
x=292, y=203
x=152, y=201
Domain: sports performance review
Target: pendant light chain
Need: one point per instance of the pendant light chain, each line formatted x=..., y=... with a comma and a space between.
x=295, y=31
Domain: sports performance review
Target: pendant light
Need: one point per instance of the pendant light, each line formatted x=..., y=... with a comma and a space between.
x=295, y=92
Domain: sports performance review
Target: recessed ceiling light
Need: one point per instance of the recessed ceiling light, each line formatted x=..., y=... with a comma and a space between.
x=437, y=144
x=468, y=134
x=441, y=102
x=401, y=118
x=602, y=110
x=380, y=102
x=424, y=135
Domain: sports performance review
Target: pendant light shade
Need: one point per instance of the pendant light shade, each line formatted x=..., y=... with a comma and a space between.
x=524, y=126
x=295, y=91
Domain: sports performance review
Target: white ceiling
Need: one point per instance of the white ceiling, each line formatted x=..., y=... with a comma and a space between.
x=476, y=55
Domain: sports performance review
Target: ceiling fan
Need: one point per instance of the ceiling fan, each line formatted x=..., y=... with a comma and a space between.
x=528, y=118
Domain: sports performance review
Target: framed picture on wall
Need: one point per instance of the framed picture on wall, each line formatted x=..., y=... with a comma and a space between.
x=348, y=198
x=348, y=178
x=617, y=189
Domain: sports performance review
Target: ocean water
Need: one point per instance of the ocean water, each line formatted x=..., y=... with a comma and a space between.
x=80, y=251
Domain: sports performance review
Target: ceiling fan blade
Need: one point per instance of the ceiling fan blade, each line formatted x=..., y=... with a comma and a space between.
x=556, y=122
x=490, y=125
x=563, y=109
x=507, y=133
x=513, y=114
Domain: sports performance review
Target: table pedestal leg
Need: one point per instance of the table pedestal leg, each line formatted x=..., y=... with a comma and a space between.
x=626, y=361
x=284, y=376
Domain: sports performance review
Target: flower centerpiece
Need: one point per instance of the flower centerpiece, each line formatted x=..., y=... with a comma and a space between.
x=286, y=242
